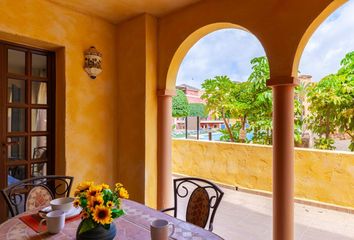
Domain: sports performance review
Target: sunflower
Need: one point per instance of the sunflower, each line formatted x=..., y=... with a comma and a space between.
x=84, y=186
x=76, y=203
x=123, y=193
x=94, y=191
x=109, y=204
x=95, y=201
x=102, y=215
x=118, y=185
x=85, y=215
x=77, y=193
x=104, y=186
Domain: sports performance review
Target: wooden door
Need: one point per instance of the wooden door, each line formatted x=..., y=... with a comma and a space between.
x=26, y=114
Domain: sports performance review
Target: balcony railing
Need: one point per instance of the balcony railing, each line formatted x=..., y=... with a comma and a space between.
x=320, y=176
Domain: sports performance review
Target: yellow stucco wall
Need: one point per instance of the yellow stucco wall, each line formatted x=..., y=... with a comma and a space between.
x=151, y=113
x=137, y=139
x=86, y=109
x=319, y=175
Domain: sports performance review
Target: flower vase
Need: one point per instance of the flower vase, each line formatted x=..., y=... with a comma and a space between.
x=98, y=232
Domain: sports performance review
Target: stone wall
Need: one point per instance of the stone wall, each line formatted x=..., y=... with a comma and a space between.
x=324, y=176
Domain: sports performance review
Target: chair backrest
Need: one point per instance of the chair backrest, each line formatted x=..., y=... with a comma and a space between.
x=203, y=200
x=16, y=195
x=40, y=153
x=38, y=196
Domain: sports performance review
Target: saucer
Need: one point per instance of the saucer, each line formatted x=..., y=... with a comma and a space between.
x=73, y=212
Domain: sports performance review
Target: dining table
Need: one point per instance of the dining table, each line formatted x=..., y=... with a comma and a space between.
x=134, y=225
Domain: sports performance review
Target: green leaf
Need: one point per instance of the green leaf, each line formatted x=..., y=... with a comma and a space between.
x=107, y=195
x=87, y=225
x=117, y=213
x=83, y=201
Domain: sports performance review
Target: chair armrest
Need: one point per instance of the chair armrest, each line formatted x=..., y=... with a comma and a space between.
x=167, y=209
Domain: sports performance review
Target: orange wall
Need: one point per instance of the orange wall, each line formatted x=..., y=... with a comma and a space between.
x=137, y=138
x=87, y=109
x=151, y=113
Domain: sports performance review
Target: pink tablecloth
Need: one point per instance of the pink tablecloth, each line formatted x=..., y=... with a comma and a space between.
x=134, y=225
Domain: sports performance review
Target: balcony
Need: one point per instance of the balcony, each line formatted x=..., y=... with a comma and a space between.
x=117, y=126
x=247, y=216
x=322, y=209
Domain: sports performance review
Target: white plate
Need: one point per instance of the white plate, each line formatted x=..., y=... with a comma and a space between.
x=73, y=212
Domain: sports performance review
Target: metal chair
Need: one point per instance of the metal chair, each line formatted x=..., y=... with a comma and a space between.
x=39, y=153
x=16, y=195
x=203, y=200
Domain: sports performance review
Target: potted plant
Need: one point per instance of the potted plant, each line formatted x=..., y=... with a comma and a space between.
x=100, y=205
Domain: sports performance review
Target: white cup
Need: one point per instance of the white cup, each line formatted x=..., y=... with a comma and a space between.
x=159, y=229
x=55, y=221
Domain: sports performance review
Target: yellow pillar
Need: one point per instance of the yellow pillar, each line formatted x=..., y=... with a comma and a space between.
x=164, y=149
x=137, y=123
x=283, y=157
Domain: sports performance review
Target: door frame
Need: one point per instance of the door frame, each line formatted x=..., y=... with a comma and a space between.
x=51, y=113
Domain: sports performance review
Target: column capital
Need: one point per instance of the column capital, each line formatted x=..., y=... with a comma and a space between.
x=283, y=81
x=166, y=92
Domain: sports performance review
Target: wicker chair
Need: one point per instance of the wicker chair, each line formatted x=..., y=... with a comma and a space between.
x=203, y=200
x=21, y=196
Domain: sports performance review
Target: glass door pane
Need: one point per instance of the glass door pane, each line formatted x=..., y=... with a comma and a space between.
x=16, y=148
x=39, y=120
x=16, y=174
x=16, y=91
x=38, y=142
x=39, y=65
x=39, y=92
x=16, y=120
x=16, y=62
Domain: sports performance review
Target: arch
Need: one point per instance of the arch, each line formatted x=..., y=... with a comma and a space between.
x=311, y=29
x=188, y=43
x=279, y=29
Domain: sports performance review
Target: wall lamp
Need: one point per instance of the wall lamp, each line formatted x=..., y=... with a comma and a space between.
x=93, y=60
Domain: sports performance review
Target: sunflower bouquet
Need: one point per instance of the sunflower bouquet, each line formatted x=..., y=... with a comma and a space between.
x=100, y=205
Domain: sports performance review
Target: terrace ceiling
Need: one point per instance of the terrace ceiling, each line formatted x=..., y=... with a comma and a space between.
x=118, y=10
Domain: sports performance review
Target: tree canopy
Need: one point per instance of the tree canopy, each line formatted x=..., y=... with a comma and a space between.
x=345, y=117
x=197, y=110
x=180, y=106
x=250, y=103
x=321, y=120
x=332, y=105
x=218, y=93
x=260, y=117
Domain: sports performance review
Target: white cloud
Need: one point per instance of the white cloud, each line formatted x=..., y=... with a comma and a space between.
x=223, y=52
x=229, y=51
x=329, y=43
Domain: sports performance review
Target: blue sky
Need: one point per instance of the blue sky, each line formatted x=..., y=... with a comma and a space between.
x=229, y=51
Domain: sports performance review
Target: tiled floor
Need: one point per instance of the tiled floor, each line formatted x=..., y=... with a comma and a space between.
x=244, y=216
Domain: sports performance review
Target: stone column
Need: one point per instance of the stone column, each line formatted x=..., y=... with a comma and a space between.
x=283, y=157
x=164, y=148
